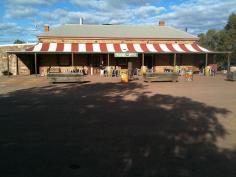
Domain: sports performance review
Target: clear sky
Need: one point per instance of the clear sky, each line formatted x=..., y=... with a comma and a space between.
x=24, y=19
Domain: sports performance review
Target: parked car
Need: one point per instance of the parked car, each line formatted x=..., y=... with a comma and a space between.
x=225, y=66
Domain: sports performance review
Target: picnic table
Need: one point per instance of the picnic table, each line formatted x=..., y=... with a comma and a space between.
x=166, y=76
x=65, y=77
x=231, y=76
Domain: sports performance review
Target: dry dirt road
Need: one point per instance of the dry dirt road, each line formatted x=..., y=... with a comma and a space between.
x=104, y=128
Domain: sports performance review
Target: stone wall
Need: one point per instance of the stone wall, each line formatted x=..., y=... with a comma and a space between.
x=12, y=57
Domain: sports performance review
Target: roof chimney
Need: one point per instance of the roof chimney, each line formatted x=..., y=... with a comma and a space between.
x=161, y=23
x=81, y=21
x=46, y=28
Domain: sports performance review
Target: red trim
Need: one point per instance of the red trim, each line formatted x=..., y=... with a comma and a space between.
x=170, y=47
x=30, y=49
x=60, y=47
x=45, y=47
x=144, y=48
x=74, y=47
x=89, y=47
x=117, y=48
x=103, y=47
x=182, y=46
x=131, y=47
x=195, y=46
x=157, y=47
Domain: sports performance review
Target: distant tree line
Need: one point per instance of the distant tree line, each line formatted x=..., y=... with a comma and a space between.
x=221, y=40
x=18, y=41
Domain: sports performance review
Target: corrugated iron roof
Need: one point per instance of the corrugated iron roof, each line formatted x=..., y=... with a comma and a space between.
x=118, y=31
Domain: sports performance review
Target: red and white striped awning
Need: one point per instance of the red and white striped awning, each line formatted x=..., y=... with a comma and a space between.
x=116, y=48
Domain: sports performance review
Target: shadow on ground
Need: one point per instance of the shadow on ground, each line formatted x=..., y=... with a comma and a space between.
x=109, y=129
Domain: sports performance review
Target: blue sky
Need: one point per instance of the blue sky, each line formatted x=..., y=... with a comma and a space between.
x=24, y=19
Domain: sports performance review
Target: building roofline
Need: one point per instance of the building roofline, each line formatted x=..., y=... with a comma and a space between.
x=10, y=45
x=112, y=38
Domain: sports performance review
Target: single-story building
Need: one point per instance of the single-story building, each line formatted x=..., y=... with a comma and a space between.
x=10, y=63
x=72, y=46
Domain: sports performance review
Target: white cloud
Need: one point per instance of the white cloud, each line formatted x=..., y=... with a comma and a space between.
x=21, y=12
x=148, y=10
x=107, y=5
x=6, y=26
x=29, y=2
x=197, y=15
x=200, y=15
x=129, y=15
x=25, y=8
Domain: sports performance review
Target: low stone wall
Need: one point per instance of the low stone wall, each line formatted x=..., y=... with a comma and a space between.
x=12, y=57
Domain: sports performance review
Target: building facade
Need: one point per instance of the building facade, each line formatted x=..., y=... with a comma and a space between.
x=75, y=46
x=10, y=61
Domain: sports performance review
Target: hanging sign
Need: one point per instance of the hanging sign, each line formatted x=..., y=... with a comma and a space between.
x=126, y=54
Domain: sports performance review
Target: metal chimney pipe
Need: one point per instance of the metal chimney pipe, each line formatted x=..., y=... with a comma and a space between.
x=81, y=21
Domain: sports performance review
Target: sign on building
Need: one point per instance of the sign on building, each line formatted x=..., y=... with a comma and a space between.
x=126, y=54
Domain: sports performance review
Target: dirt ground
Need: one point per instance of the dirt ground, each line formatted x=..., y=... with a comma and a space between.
x=104, y=128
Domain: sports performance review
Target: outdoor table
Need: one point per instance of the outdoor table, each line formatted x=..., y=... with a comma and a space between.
x=166, y=76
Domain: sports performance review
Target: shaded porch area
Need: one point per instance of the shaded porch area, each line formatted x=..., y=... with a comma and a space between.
x=40, y=63
x=98, y=57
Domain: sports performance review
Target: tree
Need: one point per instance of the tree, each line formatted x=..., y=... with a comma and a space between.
x=210, y=39
x=230, y=30
x=221, y=40
x=18, y=41
x=231, y=24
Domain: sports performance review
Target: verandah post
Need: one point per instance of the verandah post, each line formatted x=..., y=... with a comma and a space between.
x=35, y=63
x=108, y=59
x=142, y=67
x=175, y=59
x=206, y=60
x=142, y=59
x=152, y=61
x=8, y=66
x=72, y=59
x=228, y=63
x=17, y=65
x=206, y=72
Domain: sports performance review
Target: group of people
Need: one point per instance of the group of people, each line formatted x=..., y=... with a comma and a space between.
x=113, y=71
x=210, y=71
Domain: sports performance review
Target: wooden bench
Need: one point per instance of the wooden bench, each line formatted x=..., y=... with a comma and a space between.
x=149, y=77
x=65, y=77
